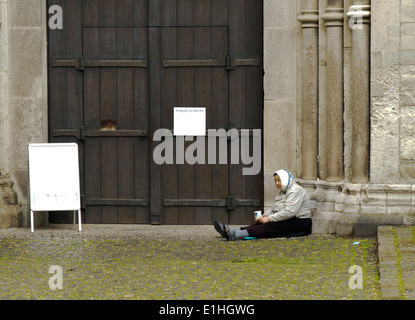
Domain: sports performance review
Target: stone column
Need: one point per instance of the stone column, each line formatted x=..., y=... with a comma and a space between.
x=359, y=14
x=333, y=138
x=309, y=88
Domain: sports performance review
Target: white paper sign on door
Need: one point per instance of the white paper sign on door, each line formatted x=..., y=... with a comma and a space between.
x=189, y=121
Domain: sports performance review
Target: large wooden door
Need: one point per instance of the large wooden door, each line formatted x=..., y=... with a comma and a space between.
x=117, y=70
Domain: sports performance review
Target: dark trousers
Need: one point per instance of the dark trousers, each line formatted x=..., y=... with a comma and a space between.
x=286, y=228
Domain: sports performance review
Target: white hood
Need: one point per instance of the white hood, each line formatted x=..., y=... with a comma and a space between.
x=286, y=179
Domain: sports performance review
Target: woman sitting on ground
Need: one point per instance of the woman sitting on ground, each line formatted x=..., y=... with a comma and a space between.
x=289, y=216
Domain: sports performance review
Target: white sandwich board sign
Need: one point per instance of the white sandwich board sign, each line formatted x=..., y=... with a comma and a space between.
x=54, y=178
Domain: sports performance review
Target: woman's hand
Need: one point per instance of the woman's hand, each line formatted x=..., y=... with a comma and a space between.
x=263, y=220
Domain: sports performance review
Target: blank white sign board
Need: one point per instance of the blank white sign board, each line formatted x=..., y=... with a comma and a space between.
x=54, y=178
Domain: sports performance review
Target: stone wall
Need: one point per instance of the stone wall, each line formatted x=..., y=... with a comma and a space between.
x=393, y=91
x=355, y=105
x=3, y=86
x=345, y=208
x=280, y=90
x=23, y=88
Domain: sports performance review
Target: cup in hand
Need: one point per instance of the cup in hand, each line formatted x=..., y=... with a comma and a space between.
x=257, y=214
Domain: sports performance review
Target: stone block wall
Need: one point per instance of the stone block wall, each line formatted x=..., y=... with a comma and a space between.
x=3, y=85
x=393, y=91
x=23, y=89
x=280, y=90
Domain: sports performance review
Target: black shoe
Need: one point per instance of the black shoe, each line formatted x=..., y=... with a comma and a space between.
x=219, y=228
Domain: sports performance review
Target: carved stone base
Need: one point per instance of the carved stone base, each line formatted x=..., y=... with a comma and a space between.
x=349, y=209
x=11, y=215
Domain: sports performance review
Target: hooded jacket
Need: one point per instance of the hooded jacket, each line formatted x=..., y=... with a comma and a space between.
x=292, y=201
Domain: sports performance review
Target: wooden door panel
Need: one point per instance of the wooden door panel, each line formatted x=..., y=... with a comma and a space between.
x=65, y=91
x=113, y=168
x=188, y=87
x=92, y=93
x=119, y=96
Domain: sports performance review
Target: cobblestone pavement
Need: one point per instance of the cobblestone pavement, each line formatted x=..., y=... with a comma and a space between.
x=141, y=262
x=396, y=254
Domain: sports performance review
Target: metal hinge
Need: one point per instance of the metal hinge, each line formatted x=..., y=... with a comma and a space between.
x=232, y=63
x=81, y=63
x=229, y=63
x=81, y=133
x=112, y=202
x=230, y=203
